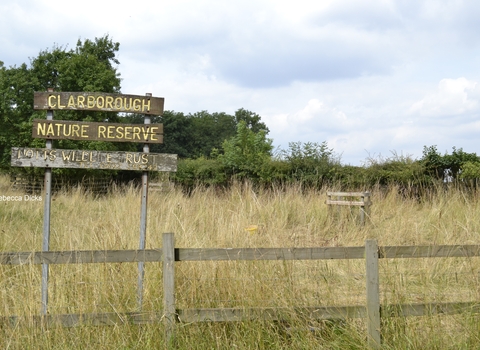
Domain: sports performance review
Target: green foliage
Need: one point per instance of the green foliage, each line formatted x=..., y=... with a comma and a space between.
x=200, y=172
x=251, y=119
x=16, y=107
x=88, y=67
x=448, y=167
x=395, y=170
x=177, y=133
x=197, y=135
x=349, y=177
x=245, y=154
x=209, y=131
x=470, y=173
x=311, y=163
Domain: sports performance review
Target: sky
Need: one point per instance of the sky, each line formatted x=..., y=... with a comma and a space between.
x=375, y=79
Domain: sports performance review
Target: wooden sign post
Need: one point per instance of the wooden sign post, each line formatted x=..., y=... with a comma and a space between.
x=46, y=222
x=143, y=223
x=49, y=157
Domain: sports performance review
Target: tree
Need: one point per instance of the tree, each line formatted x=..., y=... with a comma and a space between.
x=197, y=135
x=177, y=139
x=252, y=120
x=246, y=154
x=89, y=67
x=209, y=131
x=17, y=85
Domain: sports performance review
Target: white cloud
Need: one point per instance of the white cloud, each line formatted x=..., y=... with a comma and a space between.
x=453, y=97
x=315, y=122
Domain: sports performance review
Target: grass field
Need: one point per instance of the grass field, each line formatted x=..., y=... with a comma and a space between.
x=284, y=218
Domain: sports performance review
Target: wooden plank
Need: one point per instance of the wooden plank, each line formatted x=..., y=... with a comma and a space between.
x=231, y=254
x=241, y=314
x=429, y=309
x=183, y=254
x=92, y=131
x=98, y=101
x=80, y=257
x=192, y=254
x=373, y=293
x=439, y=251
x=188, y=316
x=270, y=314
x=350, y=203
x=349, y=194
x=88, y=159
x=77, y=320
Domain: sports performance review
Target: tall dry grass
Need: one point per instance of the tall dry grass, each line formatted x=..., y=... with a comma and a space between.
x=288, y=217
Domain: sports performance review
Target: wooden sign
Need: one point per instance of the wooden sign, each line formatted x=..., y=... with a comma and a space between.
x=98, y=101
x=91, y=131
x=79, y=159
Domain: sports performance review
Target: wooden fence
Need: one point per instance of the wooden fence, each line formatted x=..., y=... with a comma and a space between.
x=170, y=315
x=359, y=199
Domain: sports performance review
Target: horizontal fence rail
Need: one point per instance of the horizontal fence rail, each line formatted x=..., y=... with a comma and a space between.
x=230, y=254
x=347, y=198
x=169, y=255
x=242, y=314
x=80, y=257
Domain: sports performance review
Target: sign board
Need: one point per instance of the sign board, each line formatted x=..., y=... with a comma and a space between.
x=98, y=101
x=88, y=159
x=91, y=131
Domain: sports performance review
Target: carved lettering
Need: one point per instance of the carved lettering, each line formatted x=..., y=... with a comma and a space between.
x=71, y=102
x=90, y=101
x=50, y=131
x=52, y=104
x=128, y=131
x=91, y=131
x=84, y=130
x=109, y=102
x=41, y=129
x=98, y=101
x=60, y=106
x=58, y=158
x=110, y=132
x=67, y=155
x=101, y=131
x=81, y=101
x=75, y=130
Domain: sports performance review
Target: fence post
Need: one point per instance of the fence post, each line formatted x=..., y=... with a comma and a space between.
x=143, y=221
x=364, y=209
x=168, y=252
x=373, y=294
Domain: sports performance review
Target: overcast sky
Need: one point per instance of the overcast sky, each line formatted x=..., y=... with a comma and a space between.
x=370, y=77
